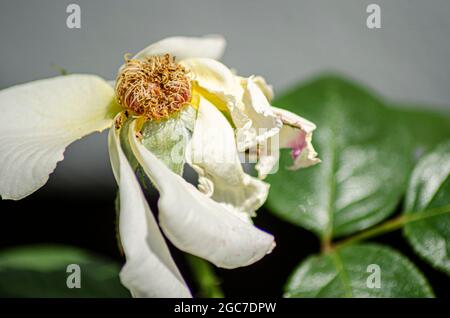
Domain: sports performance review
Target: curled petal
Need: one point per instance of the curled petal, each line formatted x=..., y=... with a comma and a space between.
x=214, y=77
x=198, y=225
x=296, y=134
x=263, y=122
x=263, y=86
x=243, y=99
x=149, y=270
x=40, y=119
x=268, y=157
x=211, y=46
x=219, y=85
x=214, y=156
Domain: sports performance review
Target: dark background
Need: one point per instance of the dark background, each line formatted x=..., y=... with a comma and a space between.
x=87, y=220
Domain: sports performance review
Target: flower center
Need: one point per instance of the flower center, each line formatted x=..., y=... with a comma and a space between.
x=154, y=88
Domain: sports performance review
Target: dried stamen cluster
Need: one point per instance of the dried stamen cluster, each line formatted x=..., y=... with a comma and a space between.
x=154, y=88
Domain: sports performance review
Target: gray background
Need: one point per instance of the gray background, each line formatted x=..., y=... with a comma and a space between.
x=286, y=41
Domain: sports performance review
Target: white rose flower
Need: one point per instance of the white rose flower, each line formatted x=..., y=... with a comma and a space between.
x=173, y=88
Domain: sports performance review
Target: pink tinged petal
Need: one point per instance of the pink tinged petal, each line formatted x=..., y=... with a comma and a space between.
x=211, y=47
x=297, y=144
x=296, y=134
x=40, y=119
x=198, y=225
x=149, y=270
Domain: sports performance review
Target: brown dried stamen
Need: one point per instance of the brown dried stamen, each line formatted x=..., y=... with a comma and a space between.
x=155, y=87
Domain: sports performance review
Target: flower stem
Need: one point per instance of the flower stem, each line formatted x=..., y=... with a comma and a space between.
x=392, y=225
x=204, y=276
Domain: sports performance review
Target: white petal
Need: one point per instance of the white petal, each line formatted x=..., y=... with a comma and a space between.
x=38, y=120
x=264, y=123
x=149, y=270
x=214, y=76
x=243, y=99
x=268, y=157
x=214, y=156
x=297, y=135
x=293, y=120
x=211, y=46
x=198, y=225
x=263, y=86
x=216, y=82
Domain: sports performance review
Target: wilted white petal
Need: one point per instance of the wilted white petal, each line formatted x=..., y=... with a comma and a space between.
x=242, y=98
x=214, y=156
x=213, y=76
x=218, y=84
x=40, y=119
x=198, y=225
x=149, y=270
x=211, y=46
x=296, y=134
x=264, y=123
x=268, y=157
x=263, y=86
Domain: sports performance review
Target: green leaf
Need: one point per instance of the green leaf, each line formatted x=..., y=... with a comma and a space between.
x=365, y=154
x=430, y=188
x=352, y=271
x=427, y=128
x=205, y=277
x=168, y=139
x=40, y=271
